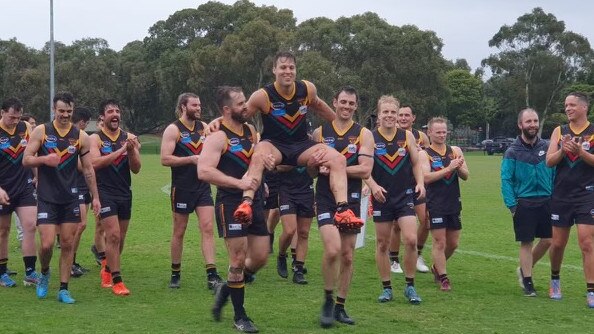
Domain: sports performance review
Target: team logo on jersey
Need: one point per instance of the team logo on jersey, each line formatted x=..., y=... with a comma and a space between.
x=4, y=143
x=303, y=110
x=51, y=142
x=235, y=145
x=71, y=149
x=24, y=142
x=401, y=151
x=106, y=147
x=278, y=109
x=380, y=149
x=329, y=141
x=185, y=137
x=586, y=145
x=541, y=153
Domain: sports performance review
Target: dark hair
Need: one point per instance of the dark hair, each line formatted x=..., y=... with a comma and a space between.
x=182, y=100
x=105, y=103
x=223, y=95
x=27, y=117
x=349, y=90
x=407, y=105
x=284, y=54
x=64, y=97
x=81, y=114
x=523, y=111
x=582, y=97
x=12, y=102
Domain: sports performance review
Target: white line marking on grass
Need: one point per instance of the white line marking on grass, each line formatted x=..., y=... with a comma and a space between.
x=499, y=257
x=166, y=188
x=513, y=259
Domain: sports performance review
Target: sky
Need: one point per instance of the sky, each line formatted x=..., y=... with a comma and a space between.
x=464, y=26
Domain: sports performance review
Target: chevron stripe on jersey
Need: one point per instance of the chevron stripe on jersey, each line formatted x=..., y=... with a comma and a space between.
x=12, y=145
x=391, y=155
x=285, y=120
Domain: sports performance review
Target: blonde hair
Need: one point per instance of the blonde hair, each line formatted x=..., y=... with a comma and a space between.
x=384, y=99
x=438, y=119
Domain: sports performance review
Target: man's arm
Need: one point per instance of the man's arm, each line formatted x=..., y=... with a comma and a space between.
x=463, y=168
x=30, y=158
x=363, y=169
x=508, y=168
x=168, y=146
x=554, y=153
x=133, y=150
x=4, y=199
x=86, y=161
x=318, y=105
x=416, y=164
x=209, y=160
x=101, y=161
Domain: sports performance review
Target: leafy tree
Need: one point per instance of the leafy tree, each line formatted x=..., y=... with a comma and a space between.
x=539, y=55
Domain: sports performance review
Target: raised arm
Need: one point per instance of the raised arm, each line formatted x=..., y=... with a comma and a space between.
x=555, y=153
x=318, y=105
x=133, y=150
x=101, y=161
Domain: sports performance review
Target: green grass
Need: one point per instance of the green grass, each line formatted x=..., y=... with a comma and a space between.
x=485, y=296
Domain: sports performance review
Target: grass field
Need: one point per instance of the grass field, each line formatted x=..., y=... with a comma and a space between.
x=485, y=296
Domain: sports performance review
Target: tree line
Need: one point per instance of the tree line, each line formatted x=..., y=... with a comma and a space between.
x=198, y=49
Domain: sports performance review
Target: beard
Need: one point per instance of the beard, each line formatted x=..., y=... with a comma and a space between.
x=530, y=133
x=193, y=116
x=238, y=117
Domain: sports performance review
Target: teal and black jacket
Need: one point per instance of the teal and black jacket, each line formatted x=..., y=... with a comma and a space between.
x=524, y=173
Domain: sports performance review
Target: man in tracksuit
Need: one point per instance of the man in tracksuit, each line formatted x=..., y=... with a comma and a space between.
x=526, y=186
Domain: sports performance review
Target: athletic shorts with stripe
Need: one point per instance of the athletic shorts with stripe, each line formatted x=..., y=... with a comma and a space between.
x=226, y=226
x=56, y=214
x=186, y=202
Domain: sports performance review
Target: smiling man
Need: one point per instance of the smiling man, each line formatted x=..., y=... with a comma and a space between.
x=115, y=154
x=54, y=149
x=284, y=105
x=526, y=186
x=572, y=152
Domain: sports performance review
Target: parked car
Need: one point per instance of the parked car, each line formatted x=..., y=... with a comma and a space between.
x=497, y=145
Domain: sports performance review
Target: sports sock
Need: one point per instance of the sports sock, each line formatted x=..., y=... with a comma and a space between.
x=527, y=280
x=342, y=206
x=3, y=265
x=555, y=274
x=387, y=284
x=237, y=293
x=176, y=269
x=211, y=269
x=271, y=235
x=442, y=277
x=410, y=281
x=101, y=255
x=340, y=302
x=294, y=254
x=299, y=266
x=29, y=264
x=394, y=257
x=328, y=294
x=44, y=271
x=63, y=285
x=590, y=287
x=116, y=277
x=420, y=249
x=247, y=199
